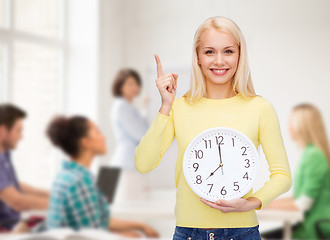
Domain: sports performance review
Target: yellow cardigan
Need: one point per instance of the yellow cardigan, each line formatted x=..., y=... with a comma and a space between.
x=255, y=117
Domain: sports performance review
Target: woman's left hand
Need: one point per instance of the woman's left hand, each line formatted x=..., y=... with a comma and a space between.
x=235, y=205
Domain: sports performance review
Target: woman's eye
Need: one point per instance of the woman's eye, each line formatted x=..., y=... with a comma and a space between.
x=209, y=52
x=228, y=51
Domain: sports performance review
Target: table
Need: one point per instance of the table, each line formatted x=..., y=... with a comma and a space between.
x=287, y=217
x=165, y=210
x=161, y=209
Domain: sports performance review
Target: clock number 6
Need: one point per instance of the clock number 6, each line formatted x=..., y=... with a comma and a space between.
x=223, y=191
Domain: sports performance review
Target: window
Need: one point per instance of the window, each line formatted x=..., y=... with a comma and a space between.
x=39, y=17
x=31, y=52
x=2, y=87
x=1, y=13
x=35, y=88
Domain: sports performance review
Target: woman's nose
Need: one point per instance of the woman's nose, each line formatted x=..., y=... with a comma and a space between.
x=218, y=59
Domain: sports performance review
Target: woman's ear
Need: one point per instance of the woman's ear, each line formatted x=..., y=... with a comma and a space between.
x=198, y=62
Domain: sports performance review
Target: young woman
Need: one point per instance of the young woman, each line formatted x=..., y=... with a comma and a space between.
x=221, y=95
x=311, y=183
x=129, y=126
x=75, y=200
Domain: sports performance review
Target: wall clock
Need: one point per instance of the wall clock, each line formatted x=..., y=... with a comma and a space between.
x=221, y=163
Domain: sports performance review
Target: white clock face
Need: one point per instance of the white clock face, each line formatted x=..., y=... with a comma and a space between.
x=221, y=163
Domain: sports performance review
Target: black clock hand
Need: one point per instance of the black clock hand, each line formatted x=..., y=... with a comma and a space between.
x=221, y=164
x=212, y=173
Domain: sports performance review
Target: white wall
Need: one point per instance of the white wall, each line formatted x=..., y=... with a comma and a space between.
x=111, y=59
x=287, y=45
x=81, y=71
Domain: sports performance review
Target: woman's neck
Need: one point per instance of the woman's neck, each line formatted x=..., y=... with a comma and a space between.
x=302, y=144
x=128, y=99
x=219, y=91
x=84, y=159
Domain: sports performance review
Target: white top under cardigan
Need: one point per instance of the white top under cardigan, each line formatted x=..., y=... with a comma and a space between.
x=129, y=127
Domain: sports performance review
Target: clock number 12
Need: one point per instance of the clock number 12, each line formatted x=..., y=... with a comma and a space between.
x=217, y=140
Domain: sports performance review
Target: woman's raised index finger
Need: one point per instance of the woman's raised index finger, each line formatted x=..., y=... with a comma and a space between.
x=160, y=71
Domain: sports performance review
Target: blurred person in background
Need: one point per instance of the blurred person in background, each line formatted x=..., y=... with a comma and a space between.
x=75, y=200
x=129, y=126
x=311, y=182
x=15, y=196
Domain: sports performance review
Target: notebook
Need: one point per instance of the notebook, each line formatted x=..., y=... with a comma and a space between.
x=107, y=181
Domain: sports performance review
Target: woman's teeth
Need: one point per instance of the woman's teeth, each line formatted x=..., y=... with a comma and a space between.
x=220, y=71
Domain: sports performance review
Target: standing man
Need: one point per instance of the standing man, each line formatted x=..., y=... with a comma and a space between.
x=15, y=197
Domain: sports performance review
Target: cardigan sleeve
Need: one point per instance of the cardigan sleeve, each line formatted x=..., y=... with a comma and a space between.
x=155, y=143
x=270, y=138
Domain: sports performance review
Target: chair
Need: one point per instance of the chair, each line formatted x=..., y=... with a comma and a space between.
x=4, y=224
x=320, y=233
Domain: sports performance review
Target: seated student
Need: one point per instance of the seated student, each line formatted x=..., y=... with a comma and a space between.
x=15, y=196
x=311, y=183
x=75, y=200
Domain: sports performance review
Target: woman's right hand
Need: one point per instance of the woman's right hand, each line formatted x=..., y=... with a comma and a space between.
x=166, y=84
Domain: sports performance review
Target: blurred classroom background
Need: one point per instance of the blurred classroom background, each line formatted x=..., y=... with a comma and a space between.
x=60, y=56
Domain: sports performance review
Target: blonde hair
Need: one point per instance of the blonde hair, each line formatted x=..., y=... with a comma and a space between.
x=308, y=125
x=242, y=82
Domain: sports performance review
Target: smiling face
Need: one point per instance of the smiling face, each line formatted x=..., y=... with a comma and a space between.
x=218, y=56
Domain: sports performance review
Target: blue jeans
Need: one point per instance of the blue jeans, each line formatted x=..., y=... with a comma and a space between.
x=249, y=233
